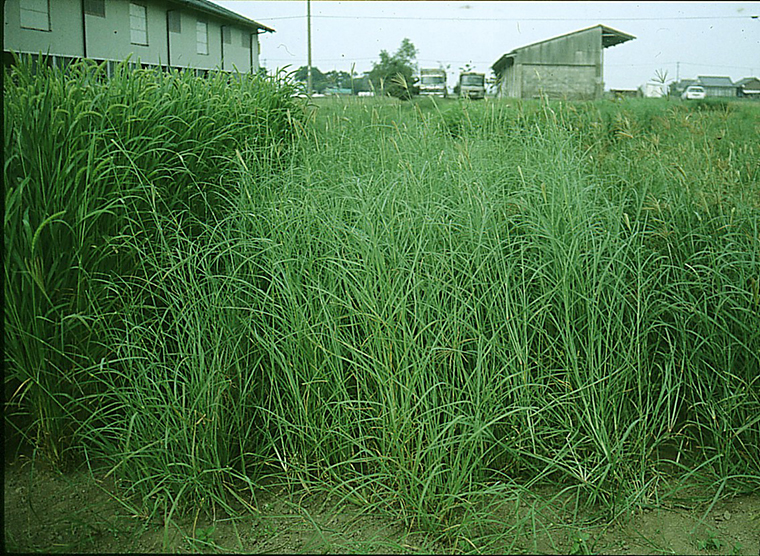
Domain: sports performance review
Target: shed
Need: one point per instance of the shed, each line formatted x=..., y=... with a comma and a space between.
x=569, y=66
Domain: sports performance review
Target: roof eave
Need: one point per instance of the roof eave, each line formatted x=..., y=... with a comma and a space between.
x=501, y=63
x=219, y=11
x=613, y=37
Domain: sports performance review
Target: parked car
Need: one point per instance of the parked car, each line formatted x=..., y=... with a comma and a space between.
x=693, y=92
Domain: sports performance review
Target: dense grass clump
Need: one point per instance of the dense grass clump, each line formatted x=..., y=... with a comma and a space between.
x=500, y=304
x=425, y=308
x=100, y=174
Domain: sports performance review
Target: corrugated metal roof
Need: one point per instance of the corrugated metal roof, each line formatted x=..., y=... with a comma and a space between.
x=610, y=37
x=715, y=81
x=217, y=10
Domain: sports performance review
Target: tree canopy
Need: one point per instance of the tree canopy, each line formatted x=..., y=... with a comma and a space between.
x=333, y=79
x=394, y=74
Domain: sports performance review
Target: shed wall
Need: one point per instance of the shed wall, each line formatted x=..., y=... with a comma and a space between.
x=566, y=67
x=570, y=82
x=581, y=48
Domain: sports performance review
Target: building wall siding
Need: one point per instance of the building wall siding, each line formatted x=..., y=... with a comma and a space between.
x=557, y=81
x=109, y=37
x=184, y=45
x=235, y=55
x=581, y=48
x=720, y=91
x=63, y=39
x=566, y=67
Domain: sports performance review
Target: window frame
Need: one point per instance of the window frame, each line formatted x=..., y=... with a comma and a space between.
x=27, y=10
x=198, y=43
x=175, y=21
x=95, y=8
x=132, y=30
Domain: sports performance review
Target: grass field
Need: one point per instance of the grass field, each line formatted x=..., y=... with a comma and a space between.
x=428, y=309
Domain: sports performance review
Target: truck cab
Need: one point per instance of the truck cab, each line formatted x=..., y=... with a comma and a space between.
x=433, y=82
x=472, y=85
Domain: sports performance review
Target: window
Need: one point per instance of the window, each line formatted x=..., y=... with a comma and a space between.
x=95, y=7
x=226, y=34
x=35, y=14
x=138, y=23
x=175, y=21
x=245, y=40
x=201, y=34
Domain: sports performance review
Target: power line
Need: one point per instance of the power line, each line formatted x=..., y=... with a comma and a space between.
x=512, y=19
x=430, y=60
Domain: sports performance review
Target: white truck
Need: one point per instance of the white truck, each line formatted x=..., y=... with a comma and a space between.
x=472, y=85
x=433, y=82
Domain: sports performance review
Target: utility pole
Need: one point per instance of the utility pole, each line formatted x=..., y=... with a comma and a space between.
x=308, y=40
x=678, y=71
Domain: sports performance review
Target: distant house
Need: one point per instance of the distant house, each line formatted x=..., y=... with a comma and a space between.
x=714, y=86
x=717, y=86
x=678, y=87
x=569, y=66
x=195, y=34
x=749, y=87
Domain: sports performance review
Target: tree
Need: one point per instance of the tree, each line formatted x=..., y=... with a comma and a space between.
x=661, y=78
x=339, y=79
x=363, y=83
x=394, y=75
x=318, y=79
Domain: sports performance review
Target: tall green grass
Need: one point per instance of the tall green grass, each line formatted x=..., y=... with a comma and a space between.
x=450, y=311
x=430, y=310
x=95, y=169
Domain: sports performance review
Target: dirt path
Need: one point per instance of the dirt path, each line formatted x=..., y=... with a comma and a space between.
x=50, y=512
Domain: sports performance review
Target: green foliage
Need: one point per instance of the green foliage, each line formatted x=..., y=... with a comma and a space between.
x=393, y=75
x=205, y=535
x=712, y=543
x=322, y=81
x=319, y=80
x=581, y=543
x=92, y=162
x=515, y=291
x=424, y=309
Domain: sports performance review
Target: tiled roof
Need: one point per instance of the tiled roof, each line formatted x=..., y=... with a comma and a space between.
x=746, y=80
x=714, y=81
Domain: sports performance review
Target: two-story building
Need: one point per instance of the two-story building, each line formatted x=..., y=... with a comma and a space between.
x=193, y=34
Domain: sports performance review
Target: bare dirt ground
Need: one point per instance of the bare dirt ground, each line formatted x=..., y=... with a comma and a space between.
x=46, y=511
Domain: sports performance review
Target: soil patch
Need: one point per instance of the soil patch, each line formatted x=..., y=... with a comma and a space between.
x=47, y=511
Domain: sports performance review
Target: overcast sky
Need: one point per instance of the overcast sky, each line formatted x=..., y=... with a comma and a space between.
x=687, y=39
